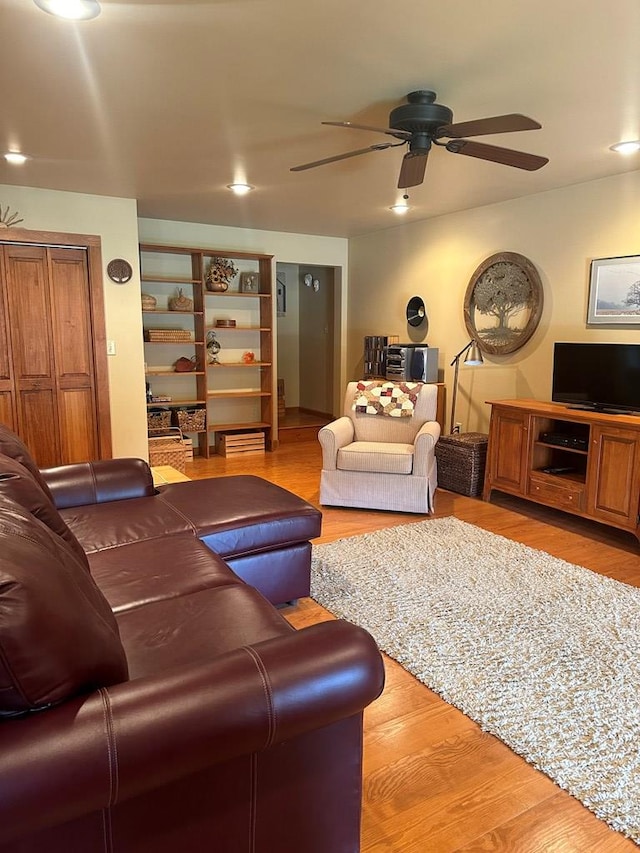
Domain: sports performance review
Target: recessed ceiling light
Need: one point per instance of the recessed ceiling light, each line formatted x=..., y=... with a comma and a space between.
x=400, y=208
x=16, y=158
x=73, y=10
x=629, y=147
x=240, y=189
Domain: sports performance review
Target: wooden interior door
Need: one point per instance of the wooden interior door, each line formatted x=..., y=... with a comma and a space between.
x=49, y=368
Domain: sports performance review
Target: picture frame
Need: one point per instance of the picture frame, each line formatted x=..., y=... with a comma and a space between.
x=281, y=294
x=614, y=291
x=249, y=282
x=503, y=303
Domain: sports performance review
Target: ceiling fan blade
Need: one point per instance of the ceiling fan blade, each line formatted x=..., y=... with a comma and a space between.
x=412, y=169
x=483, y=126
x=379, y=147
x=495, y=154
x=399, y=134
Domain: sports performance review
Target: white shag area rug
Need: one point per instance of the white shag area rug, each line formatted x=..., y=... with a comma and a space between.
x=541, y=653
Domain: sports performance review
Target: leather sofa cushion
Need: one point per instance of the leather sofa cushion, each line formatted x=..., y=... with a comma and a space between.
x=156, y=570
x=58, y=636
x=12, y=446
x=109, y=525
x=18, y=484
x=194, y=629
x=254, y=514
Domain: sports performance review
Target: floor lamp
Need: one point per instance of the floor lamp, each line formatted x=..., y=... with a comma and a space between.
x=473, y=358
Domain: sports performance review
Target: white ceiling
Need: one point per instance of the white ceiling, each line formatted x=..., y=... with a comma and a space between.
x=169, y=102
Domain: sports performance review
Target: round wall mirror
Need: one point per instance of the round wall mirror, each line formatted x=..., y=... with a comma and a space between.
x=416, y=312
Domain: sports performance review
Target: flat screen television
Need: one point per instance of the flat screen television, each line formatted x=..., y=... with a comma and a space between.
x=601, y=377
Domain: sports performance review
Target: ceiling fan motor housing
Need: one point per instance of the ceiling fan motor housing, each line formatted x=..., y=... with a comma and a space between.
x=421, y=117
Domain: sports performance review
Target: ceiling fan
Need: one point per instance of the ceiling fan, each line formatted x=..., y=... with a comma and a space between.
x=422, y=122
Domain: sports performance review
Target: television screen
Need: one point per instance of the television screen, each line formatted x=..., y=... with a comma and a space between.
x=604, y=377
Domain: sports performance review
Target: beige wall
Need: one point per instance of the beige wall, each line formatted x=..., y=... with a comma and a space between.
x=559, y=231
x=114, y=221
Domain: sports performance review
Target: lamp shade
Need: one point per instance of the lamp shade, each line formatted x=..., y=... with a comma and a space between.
x=474, y=356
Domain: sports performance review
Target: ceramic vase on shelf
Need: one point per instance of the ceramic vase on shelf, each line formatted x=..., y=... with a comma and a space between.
x=219, y=274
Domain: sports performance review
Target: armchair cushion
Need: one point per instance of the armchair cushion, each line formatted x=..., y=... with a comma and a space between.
x=58, y=636
x=376, y=456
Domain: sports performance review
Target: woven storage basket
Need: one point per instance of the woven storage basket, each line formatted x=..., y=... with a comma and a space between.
x=148, y=302
x=190, y=420
x=461, y=462
x=180, y=302
x=159, y=420
x=166, y=447
x=168, y=335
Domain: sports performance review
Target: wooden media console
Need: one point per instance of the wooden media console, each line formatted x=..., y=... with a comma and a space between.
x=583, y=462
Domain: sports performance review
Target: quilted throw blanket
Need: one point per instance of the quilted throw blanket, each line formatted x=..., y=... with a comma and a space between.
x=395, y=399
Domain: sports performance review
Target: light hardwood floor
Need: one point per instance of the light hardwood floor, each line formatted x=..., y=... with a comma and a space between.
x=433, y=781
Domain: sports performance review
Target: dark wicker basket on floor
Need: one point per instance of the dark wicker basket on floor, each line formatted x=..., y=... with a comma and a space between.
x=461, y=462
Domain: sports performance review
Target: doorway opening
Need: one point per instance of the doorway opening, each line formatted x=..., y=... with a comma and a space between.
x=308, y=319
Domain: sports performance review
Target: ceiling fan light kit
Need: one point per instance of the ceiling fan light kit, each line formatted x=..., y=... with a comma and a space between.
x=421, y=123
x=72, y=10
x=629, y=147
x=240, y=189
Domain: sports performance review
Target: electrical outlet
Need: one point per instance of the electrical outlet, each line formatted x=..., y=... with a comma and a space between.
x=457, y=428
x=111, y=347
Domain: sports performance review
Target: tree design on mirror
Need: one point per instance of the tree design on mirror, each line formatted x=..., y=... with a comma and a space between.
x=503, y=303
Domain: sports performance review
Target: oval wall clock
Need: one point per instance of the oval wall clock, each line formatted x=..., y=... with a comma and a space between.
x=503, y=303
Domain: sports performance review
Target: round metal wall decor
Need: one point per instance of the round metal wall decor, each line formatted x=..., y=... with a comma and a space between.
x=503, y=303
x=119, y=270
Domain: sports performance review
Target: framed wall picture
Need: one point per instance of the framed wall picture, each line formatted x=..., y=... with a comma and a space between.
x=281, y=294
x=249, y=282
x=614, y=291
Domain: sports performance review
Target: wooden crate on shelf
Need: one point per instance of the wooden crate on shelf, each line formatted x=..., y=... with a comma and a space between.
x=235, y=443
x=188, y=449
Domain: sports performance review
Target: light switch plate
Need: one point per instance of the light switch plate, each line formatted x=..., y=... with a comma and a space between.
x=111, y=347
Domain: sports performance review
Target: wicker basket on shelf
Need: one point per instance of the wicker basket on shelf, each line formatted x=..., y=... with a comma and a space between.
x=149, y=302
x=190, y=420
x=180, y=302
x=167, y=336
x=158, y=419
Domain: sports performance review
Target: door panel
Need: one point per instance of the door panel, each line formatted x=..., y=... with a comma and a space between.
x=78, y=425
x=7, y=409
x=71, y=318
x=38, y=418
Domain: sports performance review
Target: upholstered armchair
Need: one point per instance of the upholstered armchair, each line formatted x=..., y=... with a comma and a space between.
x=378, y=460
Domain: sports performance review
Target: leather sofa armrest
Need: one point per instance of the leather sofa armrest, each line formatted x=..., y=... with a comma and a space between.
x=332, y=437
x=83, y=483
x=92, y=752
x=424, y=448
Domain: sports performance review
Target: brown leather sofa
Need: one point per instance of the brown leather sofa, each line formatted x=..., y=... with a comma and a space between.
x=151, y=699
